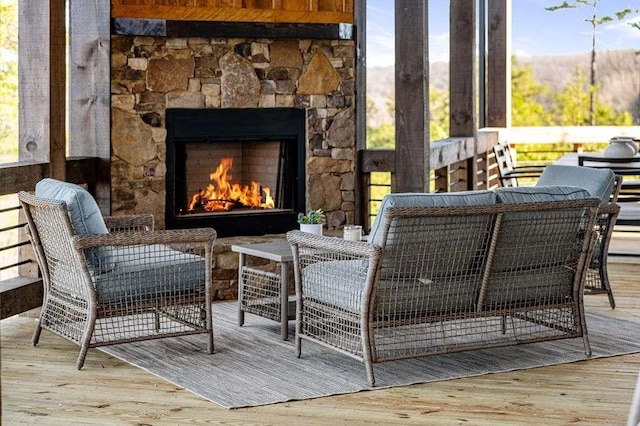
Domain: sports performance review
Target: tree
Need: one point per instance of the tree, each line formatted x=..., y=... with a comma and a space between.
x=595, y=21
x=526, y=97
x=570, y=105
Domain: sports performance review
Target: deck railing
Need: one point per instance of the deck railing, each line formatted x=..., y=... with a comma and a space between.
x=20, y=284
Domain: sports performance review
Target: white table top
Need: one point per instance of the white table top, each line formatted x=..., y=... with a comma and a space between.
x=277, y=251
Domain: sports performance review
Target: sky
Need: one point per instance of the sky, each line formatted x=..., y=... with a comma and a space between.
x=535, y=31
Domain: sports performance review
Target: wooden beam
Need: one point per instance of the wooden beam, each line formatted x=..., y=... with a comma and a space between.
x=15, y=177
x=378, y=160
x=20, y=294
x=33, y=80
x=90, y=91
x=412, y=97
x=230, y=14
x=499, y=64
x=462, y=69
x=462, y=77
x=57, y=89
x=361, y=187
x=176, y=28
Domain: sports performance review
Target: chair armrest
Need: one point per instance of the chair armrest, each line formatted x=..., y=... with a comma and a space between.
x=333, y=272
x=610, y=209
x=136, y=222
x=197, y=235
x=336, y=245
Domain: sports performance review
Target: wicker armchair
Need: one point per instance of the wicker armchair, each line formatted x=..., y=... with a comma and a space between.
x=120, y=283
x=445, y=276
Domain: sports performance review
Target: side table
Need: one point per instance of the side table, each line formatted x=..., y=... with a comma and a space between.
x=265, y=293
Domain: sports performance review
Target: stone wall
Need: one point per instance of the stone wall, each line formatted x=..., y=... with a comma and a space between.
x=151, y=74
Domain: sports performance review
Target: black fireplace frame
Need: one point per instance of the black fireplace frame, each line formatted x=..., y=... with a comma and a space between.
x=234, y=124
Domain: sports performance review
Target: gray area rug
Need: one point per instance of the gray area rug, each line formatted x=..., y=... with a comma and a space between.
x=253, y=366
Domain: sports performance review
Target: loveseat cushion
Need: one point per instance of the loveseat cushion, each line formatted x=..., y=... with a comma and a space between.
x=466, y=198
x=404, y=298
x=84, y=212
x=145, y=272
x=531, y=194
x=537, y=286
x=338, y=283
x=598, y=182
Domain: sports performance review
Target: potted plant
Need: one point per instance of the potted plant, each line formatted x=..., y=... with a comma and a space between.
x=312, y=221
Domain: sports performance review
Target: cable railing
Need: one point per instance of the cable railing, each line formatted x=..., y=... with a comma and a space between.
x=11, y=241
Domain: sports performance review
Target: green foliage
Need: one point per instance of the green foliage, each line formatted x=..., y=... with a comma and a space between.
x=571, y=106
x=526, y=97
x=312, y=217
x=533, y=105
x=382, y=137
x=8, y=80
x=438, y=114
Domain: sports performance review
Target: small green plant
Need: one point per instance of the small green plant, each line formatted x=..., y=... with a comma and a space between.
x=312, y=217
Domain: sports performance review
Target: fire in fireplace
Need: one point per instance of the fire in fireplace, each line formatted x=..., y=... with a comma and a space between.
x=238, y=170
x=222, y=195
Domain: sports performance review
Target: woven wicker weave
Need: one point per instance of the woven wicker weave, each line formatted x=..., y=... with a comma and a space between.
x=447, y=279
x=131, y=284
x=597, y=279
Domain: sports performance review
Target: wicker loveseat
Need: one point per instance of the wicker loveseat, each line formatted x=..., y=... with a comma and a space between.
x=115, y=280
x=449, y=272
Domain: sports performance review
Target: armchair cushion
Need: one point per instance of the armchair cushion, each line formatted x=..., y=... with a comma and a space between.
x=84, y=212
x=599, y=182
x=141, y=271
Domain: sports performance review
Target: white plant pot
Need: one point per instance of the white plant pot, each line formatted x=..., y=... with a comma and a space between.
x=312, y=228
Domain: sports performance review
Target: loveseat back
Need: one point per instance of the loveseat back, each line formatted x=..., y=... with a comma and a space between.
x=458, y=254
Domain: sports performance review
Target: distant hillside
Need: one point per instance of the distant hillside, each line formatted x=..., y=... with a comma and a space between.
x=618, y=73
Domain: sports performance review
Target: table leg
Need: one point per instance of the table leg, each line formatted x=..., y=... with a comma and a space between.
x=241, y=262
x=284, y=300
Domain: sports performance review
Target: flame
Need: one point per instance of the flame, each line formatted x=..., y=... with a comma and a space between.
x=222, y=195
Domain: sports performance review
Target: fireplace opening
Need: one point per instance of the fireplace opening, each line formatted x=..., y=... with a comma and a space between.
x=240, y=171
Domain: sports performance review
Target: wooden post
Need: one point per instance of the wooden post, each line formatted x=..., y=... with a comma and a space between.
x=89, y=90
x=462, y=75
x=33, y=80
x=412, y=97
x=42, y=84
x=499, y=64
x=361, y=182
x=57, y=89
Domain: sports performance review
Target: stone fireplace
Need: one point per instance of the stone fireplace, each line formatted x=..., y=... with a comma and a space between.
x=153, y=75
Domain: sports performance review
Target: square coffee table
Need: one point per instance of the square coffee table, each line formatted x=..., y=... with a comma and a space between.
x=265, y=293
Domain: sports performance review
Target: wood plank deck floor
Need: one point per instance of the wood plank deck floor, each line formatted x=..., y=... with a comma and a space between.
x=41, y=385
